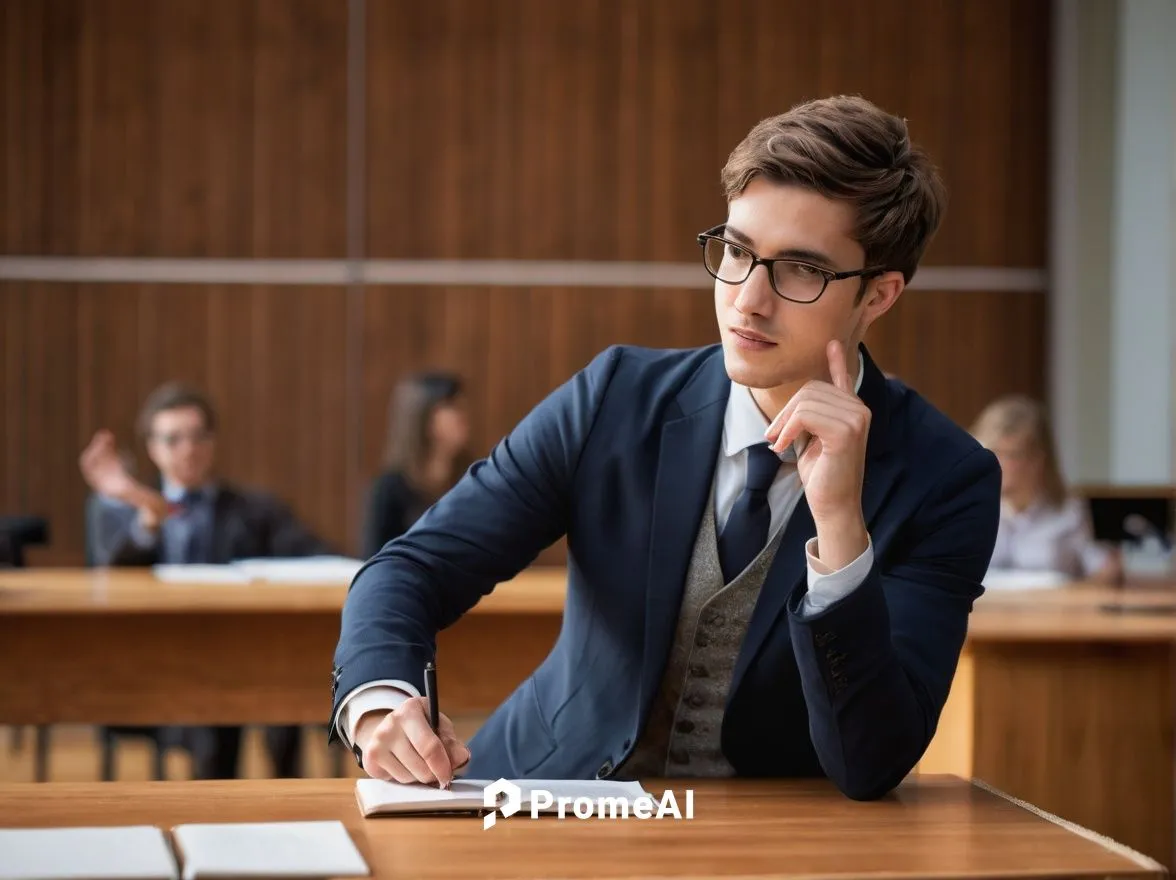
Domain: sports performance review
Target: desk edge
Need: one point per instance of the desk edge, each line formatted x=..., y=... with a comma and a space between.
x=1109, y=843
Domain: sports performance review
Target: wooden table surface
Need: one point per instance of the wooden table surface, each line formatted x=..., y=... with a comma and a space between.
x=941, y=827
x=1076, y=612
x=34, y=591
x=1079, y=612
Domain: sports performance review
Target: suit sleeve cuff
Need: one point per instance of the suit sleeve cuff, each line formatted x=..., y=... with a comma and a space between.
x=826, y=587
x=142, y=537
x=384, y=695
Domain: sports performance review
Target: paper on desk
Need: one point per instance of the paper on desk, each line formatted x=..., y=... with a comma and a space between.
x=1012, y=579
x=200, y=574
x=308, y=569
x=137, y=852
x=268, y=849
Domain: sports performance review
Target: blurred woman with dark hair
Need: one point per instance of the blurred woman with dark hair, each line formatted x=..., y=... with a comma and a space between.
x=424, y=456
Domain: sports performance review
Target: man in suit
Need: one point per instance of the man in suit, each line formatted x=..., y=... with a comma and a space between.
x=773, y=548
x=191, y=518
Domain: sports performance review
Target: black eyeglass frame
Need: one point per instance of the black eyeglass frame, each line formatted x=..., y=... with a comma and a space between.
x=828, y=274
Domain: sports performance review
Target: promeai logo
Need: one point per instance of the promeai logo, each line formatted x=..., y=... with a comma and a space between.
x=504, y=796
x=500, y=788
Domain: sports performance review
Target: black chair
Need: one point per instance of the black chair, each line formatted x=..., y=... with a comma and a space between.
x=159, y=738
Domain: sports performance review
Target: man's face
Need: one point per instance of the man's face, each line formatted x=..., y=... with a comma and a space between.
x=181, y=446
x=769, y=341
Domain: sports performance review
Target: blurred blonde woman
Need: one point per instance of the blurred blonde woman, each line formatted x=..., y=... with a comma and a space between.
x=1042, y=528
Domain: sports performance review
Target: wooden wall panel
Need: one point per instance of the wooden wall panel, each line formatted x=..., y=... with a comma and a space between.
x=199, y=128
x=52, y=487
x=521, y=129
x=962, y=349
x=598, y=130
x=13, y=405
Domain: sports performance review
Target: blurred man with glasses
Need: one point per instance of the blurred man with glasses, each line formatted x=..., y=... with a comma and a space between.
x=189, y=517
x=773, y=548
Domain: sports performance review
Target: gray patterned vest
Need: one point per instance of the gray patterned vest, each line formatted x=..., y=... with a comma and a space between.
x=682, y=735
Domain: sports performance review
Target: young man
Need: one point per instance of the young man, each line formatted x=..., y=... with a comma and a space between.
x=773, y=549
x=191, y=518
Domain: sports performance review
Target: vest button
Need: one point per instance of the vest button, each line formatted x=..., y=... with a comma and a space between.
x=695, y=701
x=685, y=726
x=701, y=639
x=679, y=756
x=605, y=769
x=698, y=670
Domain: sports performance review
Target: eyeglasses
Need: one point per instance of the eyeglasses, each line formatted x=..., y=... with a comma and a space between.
x=795, y=280
x=174, y=439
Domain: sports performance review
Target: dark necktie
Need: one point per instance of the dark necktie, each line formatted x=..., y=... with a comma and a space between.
x=194, y=550
x=746, y=531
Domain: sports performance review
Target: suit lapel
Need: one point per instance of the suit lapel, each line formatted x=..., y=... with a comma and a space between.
x=686, y=465
x=790, y=567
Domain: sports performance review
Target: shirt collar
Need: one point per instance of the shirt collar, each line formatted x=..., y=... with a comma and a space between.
x=175, y=494
x=744, y=424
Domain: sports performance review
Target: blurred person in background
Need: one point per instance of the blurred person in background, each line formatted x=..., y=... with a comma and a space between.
x=1042, y=528
x=426, y=453
x=191, y=516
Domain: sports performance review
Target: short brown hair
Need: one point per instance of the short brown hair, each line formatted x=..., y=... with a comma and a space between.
x=846, y=148
x=174, y=395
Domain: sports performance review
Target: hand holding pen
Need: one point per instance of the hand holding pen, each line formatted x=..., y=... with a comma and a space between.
x=413, y=743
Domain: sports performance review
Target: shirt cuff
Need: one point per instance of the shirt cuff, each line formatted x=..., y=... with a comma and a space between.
x=827, y=587
x=386, y=695
x=142, y=537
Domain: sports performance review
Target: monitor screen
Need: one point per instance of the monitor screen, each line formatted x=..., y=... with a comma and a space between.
x=1119, y=519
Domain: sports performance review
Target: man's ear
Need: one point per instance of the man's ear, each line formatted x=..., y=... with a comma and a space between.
x=881, y=293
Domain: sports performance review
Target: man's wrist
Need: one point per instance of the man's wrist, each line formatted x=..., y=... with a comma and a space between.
x=841, y=538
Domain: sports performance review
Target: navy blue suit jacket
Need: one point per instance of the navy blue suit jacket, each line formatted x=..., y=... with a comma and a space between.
x=621, y=459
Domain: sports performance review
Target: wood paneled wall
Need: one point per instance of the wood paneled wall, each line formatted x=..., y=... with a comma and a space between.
x=523, y=130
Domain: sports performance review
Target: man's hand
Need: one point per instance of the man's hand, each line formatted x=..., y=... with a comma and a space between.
x=103, y=470
x=836, y=424
x=401, y=746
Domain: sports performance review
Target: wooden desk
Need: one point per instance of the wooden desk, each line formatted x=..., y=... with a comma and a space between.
x=931, y=827
x=1071, y=707
x=1055, y=701
x=120, y=647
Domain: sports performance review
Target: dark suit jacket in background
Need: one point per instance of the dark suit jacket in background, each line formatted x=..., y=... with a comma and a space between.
x=393, y=506
x=246, y=525
x=621, y=459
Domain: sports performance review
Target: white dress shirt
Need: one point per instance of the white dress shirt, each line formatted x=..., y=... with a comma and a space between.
x=743, y=426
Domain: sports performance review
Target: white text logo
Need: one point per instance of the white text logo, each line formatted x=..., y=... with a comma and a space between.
x=506, y=797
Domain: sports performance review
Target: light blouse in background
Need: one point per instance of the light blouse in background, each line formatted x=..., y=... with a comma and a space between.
x=1047, y=538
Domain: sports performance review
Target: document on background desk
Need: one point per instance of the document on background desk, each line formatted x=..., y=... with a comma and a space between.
x=268, y=849
x=1012, y=580
x=200, y=574
x=301, y=570
x=379, y=798
x=137, y=852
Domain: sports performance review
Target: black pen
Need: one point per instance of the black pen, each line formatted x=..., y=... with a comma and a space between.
x=431, y=693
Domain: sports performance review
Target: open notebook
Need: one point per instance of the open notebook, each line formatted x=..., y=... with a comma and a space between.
x=379, y=798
